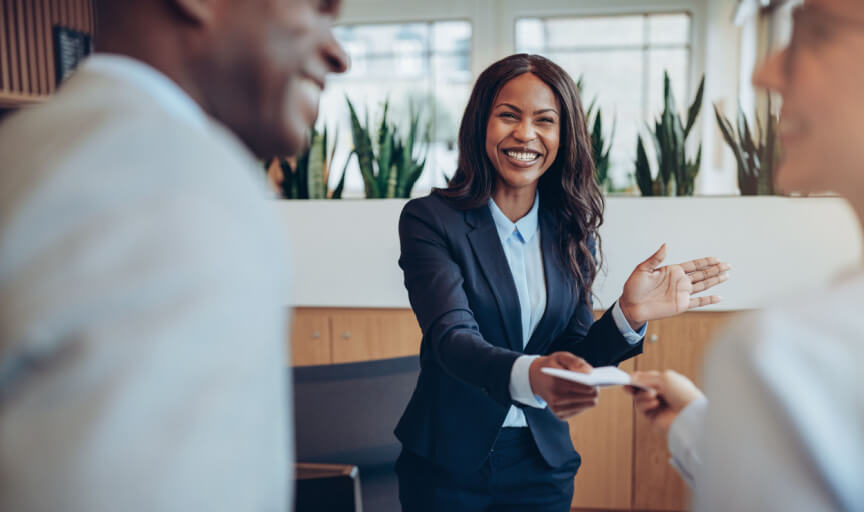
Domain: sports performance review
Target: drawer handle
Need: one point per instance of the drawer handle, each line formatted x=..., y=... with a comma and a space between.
x=653, y=338
x=346, y=335
x=316, y=334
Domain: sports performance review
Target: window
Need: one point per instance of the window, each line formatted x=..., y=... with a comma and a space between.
x=621, y=60
x=424, y=65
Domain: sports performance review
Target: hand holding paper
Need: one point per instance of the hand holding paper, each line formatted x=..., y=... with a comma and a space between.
x=663, y=396
x=564, y=398
x=597, y=377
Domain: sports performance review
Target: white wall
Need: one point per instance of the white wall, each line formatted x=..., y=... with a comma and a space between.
x=345, y=253
x=715, y=50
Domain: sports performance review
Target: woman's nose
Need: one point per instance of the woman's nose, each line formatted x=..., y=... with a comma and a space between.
x=524, y=131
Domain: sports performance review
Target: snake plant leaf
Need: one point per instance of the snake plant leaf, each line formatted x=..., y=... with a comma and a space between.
x=413, y=126
x=411, y=178
x=695, y=107
x=600, y=154
x=331, y=156
x=337, y=192
x=643, y=170
x=385, y=159
x=729, y=136
x=686, y=185
x=386, y=136
x=363, y=150
x=668, y=95
x=751, y=152
x=770, y=151
x=746, y=135
x=302, y=174
x=325, y=168
x=315, y=185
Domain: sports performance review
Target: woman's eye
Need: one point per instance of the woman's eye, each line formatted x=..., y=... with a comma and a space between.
x=546, y=120
x=508, y=115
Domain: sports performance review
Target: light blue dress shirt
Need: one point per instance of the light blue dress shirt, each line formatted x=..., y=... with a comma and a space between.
x=521, y=243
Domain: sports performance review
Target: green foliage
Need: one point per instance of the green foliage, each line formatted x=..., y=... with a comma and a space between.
x=675, y=172
x=601, y=147
x=601, y=150
x=391, y=166
x=643, y=171
x=756, y=153
x=306, y=176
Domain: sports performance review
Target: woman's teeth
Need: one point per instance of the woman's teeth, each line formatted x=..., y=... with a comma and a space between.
x=522, y=157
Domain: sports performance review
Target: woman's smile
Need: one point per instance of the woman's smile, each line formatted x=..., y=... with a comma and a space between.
x=522, y=157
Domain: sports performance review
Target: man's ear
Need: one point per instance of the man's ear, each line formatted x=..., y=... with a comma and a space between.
x=202, y=12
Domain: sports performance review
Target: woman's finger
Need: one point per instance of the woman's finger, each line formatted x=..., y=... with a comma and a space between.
x=653, y=261
x=701, y=286
x=574, y=391
x=701, y=275
x=698, y=302
x=699, y=264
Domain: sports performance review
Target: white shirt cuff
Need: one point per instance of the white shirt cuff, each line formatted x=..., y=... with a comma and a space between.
x=623, y=325
x=684, y=437
x=520, y=383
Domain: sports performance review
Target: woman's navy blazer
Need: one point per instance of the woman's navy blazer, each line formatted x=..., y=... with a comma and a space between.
x=462, y=291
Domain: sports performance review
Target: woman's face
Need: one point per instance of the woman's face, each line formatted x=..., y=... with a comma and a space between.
x=523, y=131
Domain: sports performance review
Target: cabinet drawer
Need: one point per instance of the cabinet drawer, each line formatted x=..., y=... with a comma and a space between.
x=311, y=339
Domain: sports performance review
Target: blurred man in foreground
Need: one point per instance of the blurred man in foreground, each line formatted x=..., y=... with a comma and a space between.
x=785, y=426
x=142, y=278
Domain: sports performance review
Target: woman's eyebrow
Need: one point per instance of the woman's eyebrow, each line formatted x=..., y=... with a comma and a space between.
x=536, y=112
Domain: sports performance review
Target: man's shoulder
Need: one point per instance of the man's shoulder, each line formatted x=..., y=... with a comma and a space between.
x=88, y=145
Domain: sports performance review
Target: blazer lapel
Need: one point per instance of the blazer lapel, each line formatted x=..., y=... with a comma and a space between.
x=559, y=288
x=490, y=255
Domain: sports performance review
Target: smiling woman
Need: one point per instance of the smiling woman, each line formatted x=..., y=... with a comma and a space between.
x=499, y=268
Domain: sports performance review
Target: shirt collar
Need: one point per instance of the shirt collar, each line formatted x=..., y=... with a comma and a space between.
x=149, y=80
x=524, y=229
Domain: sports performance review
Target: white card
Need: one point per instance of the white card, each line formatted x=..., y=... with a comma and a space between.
x=599, y=377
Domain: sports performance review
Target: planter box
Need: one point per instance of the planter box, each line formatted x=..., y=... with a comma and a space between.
x=345, y=253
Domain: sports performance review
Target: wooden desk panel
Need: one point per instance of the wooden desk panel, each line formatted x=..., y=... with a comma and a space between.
x=678, y=344
x=604, y=438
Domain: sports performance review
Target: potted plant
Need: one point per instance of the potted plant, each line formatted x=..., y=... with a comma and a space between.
x=756, y=153
x=391, y=166
x=306, y=176
x=676, y=174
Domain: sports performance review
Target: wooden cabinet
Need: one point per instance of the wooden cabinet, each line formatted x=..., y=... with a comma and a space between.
x=679, y=344
x=27, y=63
x=361, y=335
x=332, y=336
x=311, y=338
x=603, y=436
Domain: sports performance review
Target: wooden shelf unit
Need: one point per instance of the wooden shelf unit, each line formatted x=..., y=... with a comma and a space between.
x=27, y=65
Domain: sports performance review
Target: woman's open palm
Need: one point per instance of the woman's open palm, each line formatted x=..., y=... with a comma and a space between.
x=653, y=292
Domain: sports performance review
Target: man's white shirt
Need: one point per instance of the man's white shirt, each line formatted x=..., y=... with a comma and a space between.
x=784, y=429
x=142, y=305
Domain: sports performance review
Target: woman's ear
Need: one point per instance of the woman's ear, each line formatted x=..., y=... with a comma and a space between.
x=201, y=12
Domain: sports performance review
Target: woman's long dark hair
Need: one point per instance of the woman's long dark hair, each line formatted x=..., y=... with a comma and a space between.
x=567, y=188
